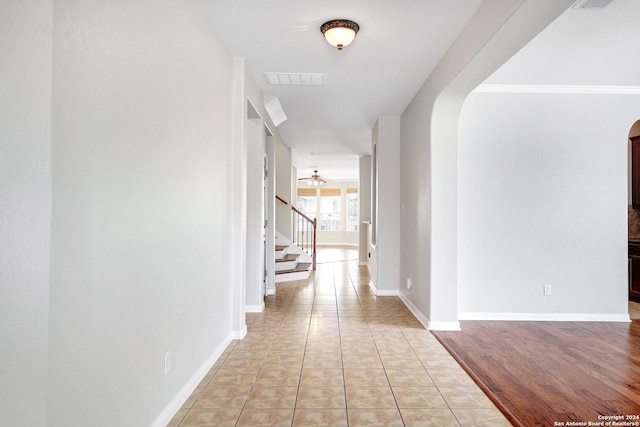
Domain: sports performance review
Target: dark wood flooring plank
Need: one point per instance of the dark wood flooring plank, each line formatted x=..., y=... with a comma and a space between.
x=543, y=372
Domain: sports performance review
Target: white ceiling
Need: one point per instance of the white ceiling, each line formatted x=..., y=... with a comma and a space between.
x=398, y=45
x=585, y=47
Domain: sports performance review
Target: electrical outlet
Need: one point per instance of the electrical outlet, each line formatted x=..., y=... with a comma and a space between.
x=167, y=362
x=547, y=290
x=409, y=283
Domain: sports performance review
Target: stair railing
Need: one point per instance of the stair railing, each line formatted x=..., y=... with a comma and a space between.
x=304, y=231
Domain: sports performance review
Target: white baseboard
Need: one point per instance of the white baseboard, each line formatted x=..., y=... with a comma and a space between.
x=176, y=403
x=373, y=288
x=547, y=317
x=413, y=309
x=238, y=335
x=271, y=292
x=388, y=293
x=382, y=293
x=363, y=263
x=432, y=326
x=444, y=326
x=254, y=308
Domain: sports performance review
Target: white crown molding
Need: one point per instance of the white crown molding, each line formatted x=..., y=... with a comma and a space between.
x=560, y=89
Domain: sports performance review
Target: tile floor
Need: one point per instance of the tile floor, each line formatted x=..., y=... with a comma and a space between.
x=327, y=352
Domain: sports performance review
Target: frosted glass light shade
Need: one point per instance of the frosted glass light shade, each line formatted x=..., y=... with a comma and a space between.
x=340, y=37
x=339, y=32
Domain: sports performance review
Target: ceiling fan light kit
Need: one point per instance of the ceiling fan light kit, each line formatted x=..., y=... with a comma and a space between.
x=339, y=32
x=314, y=180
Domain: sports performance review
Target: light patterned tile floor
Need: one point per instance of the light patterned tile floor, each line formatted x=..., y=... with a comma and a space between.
x=326, y=351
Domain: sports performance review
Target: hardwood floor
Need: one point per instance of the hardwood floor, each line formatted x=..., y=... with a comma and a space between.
x=541, y=373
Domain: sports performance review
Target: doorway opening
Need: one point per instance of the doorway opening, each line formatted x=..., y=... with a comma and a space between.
x=633, y=210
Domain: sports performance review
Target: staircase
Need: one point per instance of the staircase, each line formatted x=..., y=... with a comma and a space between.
x=292, y=263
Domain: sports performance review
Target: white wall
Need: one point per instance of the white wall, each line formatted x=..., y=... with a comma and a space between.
x=429, y=151
x=364, y=207
x=270, y=206
x=237, y=200
x=283, y=188
x=25, y=209
x=542, y=193
x=385, y=254
x=141, y=135
x=255, y=137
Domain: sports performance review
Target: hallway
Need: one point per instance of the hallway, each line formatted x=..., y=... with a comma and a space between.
x=327, y=352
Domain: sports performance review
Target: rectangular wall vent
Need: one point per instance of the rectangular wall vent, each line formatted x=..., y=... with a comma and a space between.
x=591, y=4
x=274, y=109
x=295, y=79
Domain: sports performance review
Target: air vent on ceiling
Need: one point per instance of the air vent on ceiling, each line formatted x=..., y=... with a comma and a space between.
x=591, y=4
x=295, y=79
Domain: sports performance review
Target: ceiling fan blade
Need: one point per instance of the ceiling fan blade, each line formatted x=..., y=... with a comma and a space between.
x=315, y=177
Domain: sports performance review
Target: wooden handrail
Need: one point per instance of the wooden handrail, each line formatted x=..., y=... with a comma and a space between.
x=293, y=208
x=300, y=239
x=282, y=200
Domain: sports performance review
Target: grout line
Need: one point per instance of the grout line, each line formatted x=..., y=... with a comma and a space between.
x=336, y=284
x=344, y=379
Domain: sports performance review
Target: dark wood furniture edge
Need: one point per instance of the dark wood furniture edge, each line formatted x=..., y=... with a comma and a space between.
x=635, y=199
x=494, y=399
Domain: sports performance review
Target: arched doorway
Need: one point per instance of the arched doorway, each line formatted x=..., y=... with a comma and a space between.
x=634, y=220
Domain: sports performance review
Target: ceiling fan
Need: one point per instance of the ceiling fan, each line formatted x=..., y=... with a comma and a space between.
x=314, y=180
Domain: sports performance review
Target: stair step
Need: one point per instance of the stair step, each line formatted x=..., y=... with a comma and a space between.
x=281, y=247
x=292, y=276
x=302, y=266
x=289, y=257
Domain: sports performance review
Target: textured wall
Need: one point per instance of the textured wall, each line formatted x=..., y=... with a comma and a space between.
x=542, y=201
x=429, y=151
x=25, y=209
x=141, y=135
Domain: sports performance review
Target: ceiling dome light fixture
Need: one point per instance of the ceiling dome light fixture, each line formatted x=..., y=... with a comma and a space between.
x=339, y=32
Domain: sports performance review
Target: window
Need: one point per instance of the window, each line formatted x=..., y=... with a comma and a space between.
x=330, y=209
x=307, y=202
x=352, y=209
